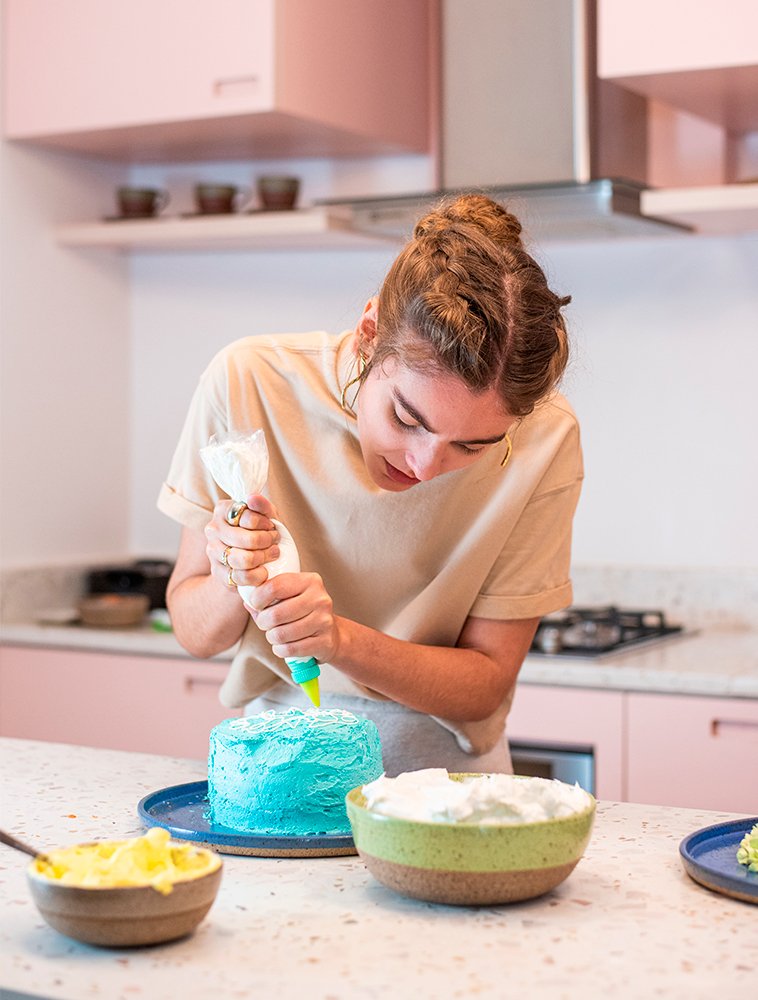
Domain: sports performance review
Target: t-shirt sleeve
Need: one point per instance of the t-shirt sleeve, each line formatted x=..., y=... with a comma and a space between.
x=189, y=492
x=531, y=575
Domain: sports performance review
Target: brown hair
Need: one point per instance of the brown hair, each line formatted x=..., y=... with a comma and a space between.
x=465, y=297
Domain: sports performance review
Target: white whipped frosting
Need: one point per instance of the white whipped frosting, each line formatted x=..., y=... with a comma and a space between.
x=430, y=796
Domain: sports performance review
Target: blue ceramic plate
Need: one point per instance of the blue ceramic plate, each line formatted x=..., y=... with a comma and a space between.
x=183, y=811
x=709, y=857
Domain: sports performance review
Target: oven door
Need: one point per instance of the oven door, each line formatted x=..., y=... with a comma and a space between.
x=571, y=763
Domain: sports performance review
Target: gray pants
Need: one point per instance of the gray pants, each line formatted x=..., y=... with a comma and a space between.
x=410, y=740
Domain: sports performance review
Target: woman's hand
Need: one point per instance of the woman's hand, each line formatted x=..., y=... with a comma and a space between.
x=296, y=613
x=242, y=550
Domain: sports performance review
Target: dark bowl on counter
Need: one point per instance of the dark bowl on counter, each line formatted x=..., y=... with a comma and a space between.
x=143, y=576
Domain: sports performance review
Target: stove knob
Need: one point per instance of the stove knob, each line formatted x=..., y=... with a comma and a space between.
x=549, y=639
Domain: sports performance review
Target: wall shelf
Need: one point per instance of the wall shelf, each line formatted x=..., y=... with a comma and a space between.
x=724, y=209
x=714, y=210
x=302, y=229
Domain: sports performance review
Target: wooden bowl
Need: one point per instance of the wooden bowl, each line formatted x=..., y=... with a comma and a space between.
x=113, y=610
x=126, y=916
x=468, y=863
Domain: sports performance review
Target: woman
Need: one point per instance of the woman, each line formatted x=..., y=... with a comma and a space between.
x=429, y=474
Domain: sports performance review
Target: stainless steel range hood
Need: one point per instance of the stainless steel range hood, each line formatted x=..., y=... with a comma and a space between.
x=568, y=211
x=524, y=117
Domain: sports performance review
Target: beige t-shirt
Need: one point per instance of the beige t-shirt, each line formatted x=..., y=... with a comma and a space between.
x=482, y=541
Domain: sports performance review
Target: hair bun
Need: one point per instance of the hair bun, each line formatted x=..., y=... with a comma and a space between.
x=477, y=210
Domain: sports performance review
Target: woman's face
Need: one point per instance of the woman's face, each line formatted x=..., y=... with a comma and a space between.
x=414, y=426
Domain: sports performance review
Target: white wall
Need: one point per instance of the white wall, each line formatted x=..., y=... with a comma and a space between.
x=64, y=393
x=663, y=378
x=186, y=307
x=82, y=386
x=101, y=353
x=664, y=382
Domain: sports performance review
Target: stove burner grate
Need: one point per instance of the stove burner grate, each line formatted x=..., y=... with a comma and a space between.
x=581, y=631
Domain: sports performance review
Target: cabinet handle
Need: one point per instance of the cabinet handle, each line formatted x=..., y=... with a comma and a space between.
x=722, y=727
x=193, y=682
x=229, y=85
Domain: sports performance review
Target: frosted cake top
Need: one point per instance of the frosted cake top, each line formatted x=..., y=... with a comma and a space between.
x=293, y=719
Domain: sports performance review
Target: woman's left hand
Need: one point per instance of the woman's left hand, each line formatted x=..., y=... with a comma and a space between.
x=296, y=613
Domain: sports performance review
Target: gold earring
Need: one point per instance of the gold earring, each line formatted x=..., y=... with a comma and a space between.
x=508, y=451
x=362, y=367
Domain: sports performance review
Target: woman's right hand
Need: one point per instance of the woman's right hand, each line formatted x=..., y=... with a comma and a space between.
x=245, y=549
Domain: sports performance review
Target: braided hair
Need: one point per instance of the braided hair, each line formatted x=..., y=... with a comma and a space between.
x=465, y=297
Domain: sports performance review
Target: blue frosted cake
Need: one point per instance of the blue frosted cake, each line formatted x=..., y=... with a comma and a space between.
x=287, y=773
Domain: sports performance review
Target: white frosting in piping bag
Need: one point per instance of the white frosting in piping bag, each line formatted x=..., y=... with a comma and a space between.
x=240, y=467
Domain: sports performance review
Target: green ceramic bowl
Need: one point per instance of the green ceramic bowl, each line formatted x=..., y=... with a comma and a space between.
x=468, y=863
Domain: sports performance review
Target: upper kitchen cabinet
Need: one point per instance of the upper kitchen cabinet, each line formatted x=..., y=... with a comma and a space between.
x=700, y=57
x=696, y=68
x=159, y=80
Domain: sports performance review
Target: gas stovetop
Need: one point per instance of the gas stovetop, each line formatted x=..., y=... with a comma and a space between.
x=599, y=631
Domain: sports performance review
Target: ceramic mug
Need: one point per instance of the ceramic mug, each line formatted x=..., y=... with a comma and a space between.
x=140, y=203
x=277, y=193
x=219, y=199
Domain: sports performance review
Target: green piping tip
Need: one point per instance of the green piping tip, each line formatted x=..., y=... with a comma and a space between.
x=312, y=690
x=305, y=673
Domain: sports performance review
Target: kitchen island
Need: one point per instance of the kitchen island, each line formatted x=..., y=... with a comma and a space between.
x=628, y=922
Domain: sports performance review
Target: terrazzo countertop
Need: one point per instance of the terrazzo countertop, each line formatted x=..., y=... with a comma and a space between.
x=627, y=923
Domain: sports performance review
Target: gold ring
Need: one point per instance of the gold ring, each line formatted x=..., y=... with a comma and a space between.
x=230, y=580
x=234, y=513
x=225, y=556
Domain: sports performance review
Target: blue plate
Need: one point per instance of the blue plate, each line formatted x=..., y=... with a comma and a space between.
x=709, y=857
x=183, y=811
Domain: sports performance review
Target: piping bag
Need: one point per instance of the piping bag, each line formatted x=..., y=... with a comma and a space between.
x=239, y=466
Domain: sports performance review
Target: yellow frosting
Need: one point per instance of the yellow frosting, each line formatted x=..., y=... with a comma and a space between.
x=148, y=860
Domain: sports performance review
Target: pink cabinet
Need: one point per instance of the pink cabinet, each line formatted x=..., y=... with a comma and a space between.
x=694, y=70
x=662, y=749
x=149, y=704
x=166, y=79
x=697, y=67
x=644, y=37
x=115, y=64
x=691, y=751
x=579, y=717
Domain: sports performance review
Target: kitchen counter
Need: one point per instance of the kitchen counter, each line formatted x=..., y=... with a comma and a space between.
x=628, y=922
x=140, y=640
x=716, y=655
x=711, y=662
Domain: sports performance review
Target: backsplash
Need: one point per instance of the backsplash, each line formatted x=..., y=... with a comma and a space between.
x=36, y=592
x=25, y=594
x=695, y=598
